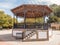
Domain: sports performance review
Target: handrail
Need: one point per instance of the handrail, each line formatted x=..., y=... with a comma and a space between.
x=31, y=26
x=30, y=34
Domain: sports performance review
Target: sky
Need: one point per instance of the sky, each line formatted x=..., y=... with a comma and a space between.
x=7, y=5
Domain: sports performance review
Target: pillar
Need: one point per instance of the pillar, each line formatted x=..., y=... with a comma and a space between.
x=24, y=19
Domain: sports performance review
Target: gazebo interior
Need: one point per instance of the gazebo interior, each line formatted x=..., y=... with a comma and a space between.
x=31, y=12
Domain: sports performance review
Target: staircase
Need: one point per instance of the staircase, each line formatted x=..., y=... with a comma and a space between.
x=30, y=34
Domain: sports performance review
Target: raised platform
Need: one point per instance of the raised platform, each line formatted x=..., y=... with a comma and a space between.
x=32, y=34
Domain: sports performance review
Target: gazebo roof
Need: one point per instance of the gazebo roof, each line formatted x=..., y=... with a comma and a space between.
x=30, y=10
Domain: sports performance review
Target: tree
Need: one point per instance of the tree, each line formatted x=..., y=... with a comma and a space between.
x=6, y=20
x=52, y=19
x=56, y=13
x=33, y=20
x=1, y=18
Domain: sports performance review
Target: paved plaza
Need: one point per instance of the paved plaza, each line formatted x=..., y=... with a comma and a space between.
x=7, y=39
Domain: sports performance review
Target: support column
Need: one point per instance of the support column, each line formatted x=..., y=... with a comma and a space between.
x=13, y=21
x=16, y=19
x=45, y=25
x=24, y=19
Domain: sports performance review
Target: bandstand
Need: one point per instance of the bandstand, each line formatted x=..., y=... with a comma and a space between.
x=31, y=31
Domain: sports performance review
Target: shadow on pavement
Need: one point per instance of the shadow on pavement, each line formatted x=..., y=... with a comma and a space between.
x=8, y=37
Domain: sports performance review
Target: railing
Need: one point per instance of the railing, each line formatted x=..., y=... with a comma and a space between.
x=31, y=26
x=28, y=34
x=18, y=25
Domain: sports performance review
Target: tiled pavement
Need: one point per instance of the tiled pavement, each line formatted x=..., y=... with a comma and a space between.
x=7, y=39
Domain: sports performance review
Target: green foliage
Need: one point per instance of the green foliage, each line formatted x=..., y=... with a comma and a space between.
x=40, y=20
x=33, y=20
x=56, y=9
x=6, y=20
x=56, y=13
x=52, y=19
